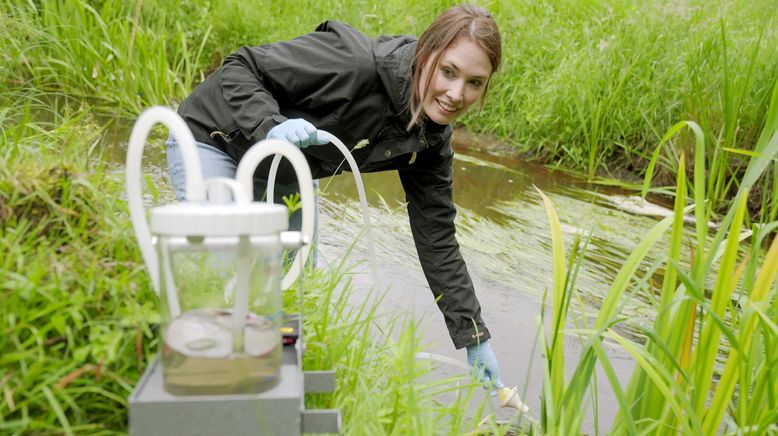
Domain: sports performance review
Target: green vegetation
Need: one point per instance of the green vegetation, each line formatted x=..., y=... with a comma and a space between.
x=586, y=85
x=77, y=310
x=728, y=331
x=592, y=85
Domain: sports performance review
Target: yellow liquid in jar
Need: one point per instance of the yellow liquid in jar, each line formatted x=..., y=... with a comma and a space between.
x=198, y=355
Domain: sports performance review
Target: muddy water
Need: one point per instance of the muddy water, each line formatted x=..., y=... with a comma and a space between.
x=504, y=235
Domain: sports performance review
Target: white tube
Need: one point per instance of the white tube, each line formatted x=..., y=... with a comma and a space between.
x=321, y=134
x=271, y=179
x=195, y=190
x=241, y=307
x=171, y=292
x=245, y=176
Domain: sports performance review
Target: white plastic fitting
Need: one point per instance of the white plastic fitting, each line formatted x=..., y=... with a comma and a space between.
x=510, y=398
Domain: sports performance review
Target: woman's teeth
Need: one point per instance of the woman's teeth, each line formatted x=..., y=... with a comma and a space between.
x=447, y=107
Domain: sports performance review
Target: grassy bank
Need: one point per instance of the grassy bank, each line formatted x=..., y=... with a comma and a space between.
x=77, y=313
x=587, y=85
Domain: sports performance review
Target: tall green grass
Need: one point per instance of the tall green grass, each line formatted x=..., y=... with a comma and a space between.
x=593, y=85
x=128, y=55
x=709, y=362
x=586, y=85
x=76, y=311
x=121, y=55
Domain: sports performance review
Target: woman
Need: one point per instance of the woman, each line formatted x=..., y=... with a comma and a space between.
x=397, y=93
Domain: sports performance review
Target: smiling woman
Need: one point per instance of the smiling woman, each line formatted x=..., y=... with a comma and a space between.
x=464, y=48
x=458, y=82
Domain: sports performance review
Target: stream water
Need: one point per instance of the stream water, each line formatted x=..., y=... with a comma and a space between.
x=504, y=236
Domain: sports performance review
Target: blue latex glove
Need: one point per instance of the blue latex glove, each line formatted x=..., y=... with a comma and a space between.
x=297, y=131
x=481, y=357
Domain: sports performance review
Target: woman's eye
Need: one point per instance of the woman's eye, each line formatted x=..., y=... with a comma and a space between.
x=447, y=72
x=476, y=83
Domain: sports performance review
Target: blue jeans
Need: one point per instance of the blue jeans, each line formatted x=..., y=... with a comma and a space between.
x=217, y=163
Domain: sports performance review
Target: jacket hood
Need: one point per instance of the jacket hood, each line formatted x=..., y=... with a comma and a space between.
x=394, y=64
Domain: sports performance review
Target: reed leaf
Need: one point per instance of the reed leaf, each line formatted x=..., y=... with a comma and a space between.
x=579, y=384
x=607, y=315
x=647, y=400
x=556, y=358
x=618, y=392
x=708, y=346
x=729, y=378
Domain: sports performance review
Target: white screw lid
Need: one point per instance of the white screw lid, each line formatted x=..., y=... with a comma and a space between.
x=209, y=219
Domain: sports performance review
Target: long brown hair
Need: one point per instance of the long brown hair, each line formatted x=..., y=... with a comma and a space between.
x=462, y=21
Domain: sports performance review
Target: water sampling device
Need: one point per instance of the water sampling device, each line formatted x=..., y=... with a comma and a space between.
x=215, y=261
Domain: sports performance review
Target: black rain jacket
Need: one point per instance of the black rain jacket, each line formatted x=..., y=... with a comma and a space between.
x=356, y=88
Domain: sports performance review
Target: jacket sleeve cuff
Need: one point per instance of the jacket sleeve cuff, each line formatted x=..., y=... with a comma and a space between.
x=468, y=336
x=264, y=127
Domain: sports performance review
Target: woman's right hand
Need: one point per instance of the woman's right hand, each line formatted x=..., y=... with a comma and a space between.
x=297, y=131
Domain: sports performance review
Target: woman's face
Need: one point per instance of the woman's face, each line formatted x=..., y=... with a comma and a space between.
x=457, y=83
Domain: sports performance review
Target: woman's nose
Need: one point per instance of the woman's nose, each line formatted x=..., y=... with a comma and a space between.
x=455, y=91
